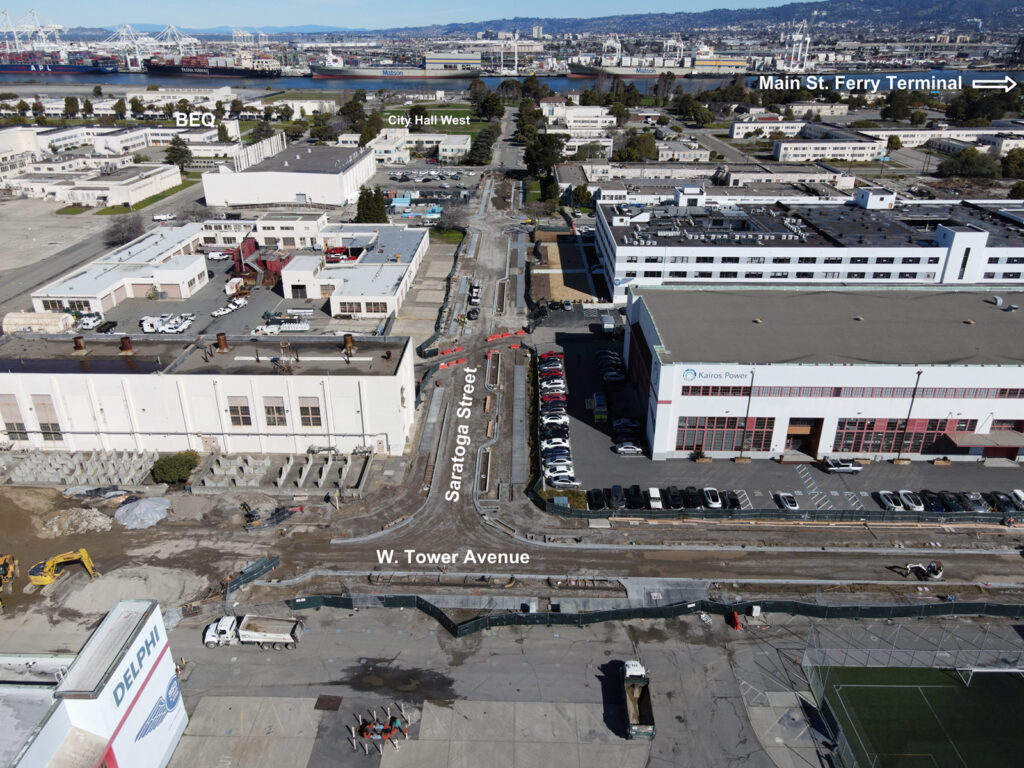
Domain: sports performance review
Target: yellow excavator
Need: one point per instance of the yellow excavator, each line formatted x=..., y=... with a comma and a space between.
x=9, y=571
x=46, y=572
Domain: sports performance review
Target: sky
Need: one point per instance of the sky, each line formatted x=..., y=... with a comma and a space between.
x=198, y=14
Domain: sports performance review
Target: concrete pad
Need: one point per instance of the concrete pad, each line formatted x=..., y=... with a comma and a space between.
x=484, y=720
x=415, y=754
x=545, y=722
x=623, y=754
x=438, y=269
x=223, y=716
x=287, y=717
x=591, y=727
x=473, y=754
x=236, y=752
x=550, y=755
x=425, y=296
x=436, y=721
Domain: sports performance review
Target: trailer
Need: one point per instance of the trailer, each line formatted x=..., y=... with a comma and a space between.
x=636, y=688
x=265, y=631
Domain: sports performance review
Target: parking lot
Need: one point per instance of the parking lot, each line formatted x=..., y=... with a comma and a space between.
x=757, y=483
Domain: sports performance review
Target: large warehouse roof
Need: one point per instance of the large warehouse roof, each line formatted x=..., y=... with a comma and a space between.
x=835, y=326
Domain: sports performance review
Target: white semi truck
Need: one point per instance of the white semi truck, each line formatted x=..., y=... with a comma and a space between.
x=266, y=632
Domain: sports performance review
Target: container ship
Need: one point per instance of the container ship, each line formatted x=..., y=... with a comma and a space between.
x=214, y=66
x=56, y=63
x=702, y=62
x=434, y=65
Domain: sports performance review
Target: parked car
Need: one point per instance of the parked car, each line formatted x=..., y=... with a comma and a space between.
x=550, y=453
x=712, y=499
x=1000, y=502
x=691, y=497
x=595, y=499
x=554, y=397
x=557, y=470
x=952, y=502
x=551, y=433
x=618, y=498
x=787, y=501
x=932, y=502
x=730, y=500
x=107, y=327
x=551, y=355
x=562, y=481
x=674, y=497
x=628, y=449
x=841, y=466
x=635, y=497
x=623, y=423
x=218, y=256
x=1018, y=498
x=614, y=377
x=911, y=501
x=473, y=314
x=553, y=420
x=890, y=501
x=973, y=502
x=554, y=443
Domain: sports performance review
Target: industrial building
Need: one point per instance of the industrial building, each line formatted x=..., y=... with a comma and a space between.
x=384, y=262
x=874, y=239
x=114, y=703
x=165, y=263
x=229, y=395
x=325, y=176
x=93, y=183
x=803, y=374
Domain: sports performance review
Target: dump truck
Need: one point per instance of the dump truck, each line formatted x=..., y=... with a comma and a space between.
x=265, y=631
x=636, y=688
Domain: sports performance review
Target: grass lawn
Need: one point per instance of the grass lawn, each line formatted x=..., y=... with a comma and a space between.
x=302, y=96
x=452, y=236
x=72, y=210
x=533, y=192
x=457, y=112
x=114, y=210
x=246, y=125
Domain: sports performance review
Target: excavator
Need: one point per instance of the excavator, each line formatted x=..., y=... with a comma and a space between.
x=46, y=572
x=9, y=571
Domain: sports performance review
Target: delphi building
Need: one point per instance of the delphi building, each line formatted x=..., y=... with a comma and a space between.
x=803, y=373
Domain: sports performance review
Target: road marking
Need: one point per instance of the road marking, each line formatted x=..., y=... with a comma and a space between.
x=745, y=502
x=851, y=497
x=817, y=496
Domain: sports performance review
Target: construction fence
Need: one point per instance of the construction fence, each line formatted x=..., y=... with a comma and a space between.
x=557, y=618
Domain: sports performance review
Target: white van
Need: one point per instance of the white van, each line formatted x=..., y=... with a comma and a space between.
x=164, y=217
x=655, y=495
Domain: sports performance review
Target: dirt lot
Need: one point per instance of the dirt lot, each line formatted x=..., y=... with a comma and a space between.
x=563, y=276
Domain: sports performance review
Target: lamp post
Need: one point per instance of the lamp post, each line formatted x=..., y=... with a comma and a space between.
x=746, y=416
x=906, y=423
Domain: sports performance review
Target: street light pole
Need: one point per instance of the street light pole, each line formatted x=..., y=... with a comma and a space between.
x=746, y=417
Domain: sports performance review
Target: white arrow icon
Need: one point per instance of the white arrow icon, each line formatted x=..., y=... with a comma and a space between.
x=1007, y=84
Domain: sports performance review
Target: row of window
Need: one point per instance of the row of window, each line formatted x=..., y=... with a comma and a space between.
x=889, y=435
x=786, y=260
x=46, y=415
x=923, y=276
x=939, y=393
x=274, y=412
x=721, y=433
x=1001, y=276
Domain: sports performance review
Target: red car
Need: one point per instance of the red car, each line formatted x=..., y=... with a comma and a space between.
x=332, y=251
x=551, y=354
x=551, y=374
x=552, y=398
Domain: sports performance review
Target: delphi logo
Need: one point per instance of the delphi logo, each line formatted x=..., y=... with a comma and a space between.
x=163, y=707
x=689, y=374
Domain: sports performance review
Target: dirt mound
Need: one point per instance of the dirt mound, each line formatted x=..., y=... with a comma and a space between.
x=168, y=586
x=70, y=522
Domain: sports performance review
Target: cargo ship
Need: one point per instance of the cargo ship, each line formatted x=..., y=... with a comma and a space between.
x=56, y=63
x=214, y=66
x=701, y=62
x=434, y=65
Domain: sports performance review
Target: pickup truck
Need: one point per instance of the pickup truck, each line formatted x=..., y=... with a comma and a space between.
x=636, y=688
x=264, y=631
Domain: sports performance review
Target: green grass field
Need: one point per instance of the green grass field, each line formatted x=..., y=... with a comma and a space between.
x=926, y=718
x=116, y=210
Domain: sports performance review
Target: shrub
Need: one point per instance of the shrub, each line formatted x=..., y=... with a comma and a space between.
x=175, y=468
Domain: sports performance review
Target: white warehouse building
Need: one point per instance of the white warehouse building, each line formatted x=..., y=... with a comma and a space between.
x=245, y=395
x=801, y=375
x=872, y=240
x=298, y=176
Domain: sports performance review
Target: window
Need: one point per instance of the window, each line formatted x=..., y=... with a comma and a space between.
x=753, y=275
x=731, y=260
x=349, y=307
x=52, y=305
x=703, y=274
x=273, y=408
x=1011, y=275
x=705, y=259
x=859, y=260
x=993, y=259
x=879, y=275
x=11, y=414
x=631, y=259
x=653, y=260
x=723, y=433
x=79, y=305
x=46, y=414
x=380, y=307
x=907, y=275
x=781, y=260
x=805, y=275
x=883, y=260
x=238, y=411
x=630, y=274
x=855, y=275
x=933, y=259
x=298, y=291
x=807, y=260
x=755, y=260
x=727, y=274
x=989, y=276
x=963, y=263
x=309, y=411
x=834, y=260
x=910, y=260
x=677, y=274
x=779, y=275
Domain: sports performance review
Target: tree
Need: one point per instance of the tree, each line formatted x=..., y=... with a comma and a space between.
x=222, y=134
x=70, y=106
x=542, y=155
x=620, y=113
x=638, y=148
x=139, y=157
x=262, y=130
x=1017, y=191
x=510, y=90
x=482, y=145
x=490, y=107
x=418, y=118
x=354, y=114
x=1013, y=164
x=788, y=114
x=137, y=107
x=588, y=151
x=373, y=126
x=897, y=106
x=97, y=90
x=296, y=130
x=285, y=112
x=175, y=468
x=218, y=110
x=452, y=217
x=38, y=109
x=477, y=91
x=581, y=196
x=22, y=107
x=178, y=153
x=370, y=208
x=663, y=119
x=123, y=229
x=971, y=164
x=87, y=108
x=534, y=89
x=917, y=117
x=236, y=107
x=894, y=143
x=119, y=109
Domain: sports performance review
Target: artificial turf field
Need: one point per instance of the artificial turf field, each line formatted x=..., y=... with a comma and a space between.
x=926, y=718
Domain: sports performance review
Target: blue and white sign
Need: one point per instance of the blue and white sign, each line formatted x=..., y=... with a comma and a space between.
x=163, y=707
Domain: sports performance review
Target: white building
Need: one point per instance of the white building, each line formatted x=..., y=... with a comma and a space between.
x=577, y=122
x=682, y=152
x=761, y=126
x=165, y=263
x=236, y=395
x=115, y=703
x=94, y=183
x=385, y=261
x=394, y=146
x=696, y=240
x=915, y=373
x=301, y=176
